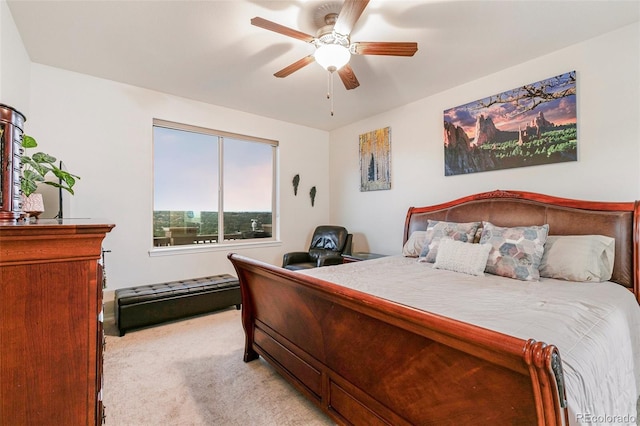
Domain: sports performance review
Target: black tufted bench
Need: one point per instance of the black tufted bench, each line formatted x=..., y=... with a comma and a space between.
x=153, y=304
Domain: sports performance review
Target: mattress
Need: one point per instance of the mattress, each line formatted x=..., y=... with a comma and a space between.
x=596, y=326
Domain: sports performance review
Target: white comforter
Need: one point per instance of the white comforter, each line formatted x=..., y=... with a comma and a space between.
x=596, y=326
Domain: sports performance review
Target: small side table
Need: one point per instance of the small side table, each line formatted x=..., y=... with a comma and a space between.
x=360, y=256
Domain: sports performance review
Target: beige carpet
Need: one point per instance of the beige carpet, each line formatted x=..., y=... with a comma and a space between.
x=191, y=372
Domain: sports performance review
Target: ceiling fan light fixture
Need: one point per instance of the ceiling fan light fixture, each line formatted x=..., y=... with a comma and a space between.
x=332, y=57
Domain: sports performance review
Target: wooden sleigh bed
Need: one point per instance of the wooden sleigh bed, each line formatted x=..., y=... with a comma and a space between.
x=367, y=360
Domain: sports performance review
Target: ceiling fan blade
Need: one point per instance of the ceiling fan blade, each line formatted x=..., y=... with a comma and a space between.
x=295, y=66
x=385, y=48
x=281, y=29
x=348, y=77
x=349, y=15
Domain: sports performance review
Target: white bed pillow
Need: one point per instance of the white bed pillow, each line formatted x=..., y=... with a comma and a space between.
x=462, y=257
x=582, y=258
x=413, y=246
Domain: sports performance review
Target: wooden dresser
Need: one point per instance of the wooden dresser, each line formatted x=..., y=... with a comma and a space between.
x=51, y=335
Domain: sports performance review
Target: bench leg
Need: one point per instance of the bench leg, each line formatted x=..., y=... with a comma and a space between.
x=238, y=307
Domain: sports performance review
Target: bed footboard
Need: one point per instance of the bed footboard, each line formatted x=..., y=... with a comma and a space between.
x=365, y=360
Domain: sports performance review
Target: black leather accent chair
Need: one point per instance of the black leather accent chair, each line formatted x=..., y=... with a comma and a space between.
x=327, y=246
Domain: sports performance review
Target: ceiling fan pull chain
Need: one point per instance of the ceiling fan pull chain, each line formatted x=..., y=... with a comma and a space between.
x=330, y=92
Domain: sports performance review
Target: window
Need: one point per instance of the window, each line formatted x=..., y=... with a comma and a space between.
x=205, y=181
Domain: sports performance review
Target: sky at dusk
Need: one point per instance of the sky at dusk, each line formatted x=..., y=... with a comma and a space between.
x=505, y=117
x=186, y=172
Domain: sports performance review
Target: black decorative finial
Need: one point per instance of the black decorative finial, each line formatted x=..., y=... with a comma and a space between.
x=296, y=181
x=312, y=194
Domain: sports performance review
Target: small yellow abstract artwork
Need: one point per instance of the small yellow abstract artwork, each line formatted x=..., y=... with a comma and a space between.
x=375, y=160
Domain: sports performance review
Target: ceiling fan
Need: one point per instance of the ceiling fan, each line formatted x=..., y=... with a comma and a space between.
x=333, y=45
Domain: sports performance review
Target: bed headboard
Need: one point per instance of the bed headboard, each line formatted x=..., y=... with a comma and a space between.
x=564, y=216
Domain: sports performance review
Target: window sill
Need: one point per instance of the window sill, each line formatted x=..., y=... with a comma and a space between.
x=207, y=248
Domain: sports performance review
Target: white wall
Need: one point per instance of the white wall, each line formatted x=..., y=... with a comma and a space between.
x=608, y=93
x=103, y=132
x=14, y=64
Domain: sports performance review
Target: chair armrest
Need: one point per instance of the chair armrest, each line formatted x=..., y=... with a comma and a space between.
x=347, y=245
x=330, y=259
x=295, y=257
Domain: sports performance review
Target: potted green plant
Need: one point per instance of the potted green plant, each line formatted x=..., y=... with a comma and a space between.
x=34, y=170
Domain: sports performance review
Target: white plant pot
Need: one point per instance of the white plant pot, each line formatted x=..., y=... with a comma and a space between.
x=33, y=205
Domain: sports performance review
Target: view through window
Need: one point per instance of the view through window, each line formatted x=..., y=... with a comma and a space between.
x=206, y=181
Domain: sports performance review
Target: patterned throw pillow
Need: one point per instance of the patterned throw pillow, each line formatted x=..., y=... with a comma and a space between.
x=436, y=230
x=516, y=252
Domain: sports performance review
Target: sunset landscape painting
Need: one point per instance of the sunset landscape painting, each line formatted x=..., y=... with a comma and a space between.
x=530, y=125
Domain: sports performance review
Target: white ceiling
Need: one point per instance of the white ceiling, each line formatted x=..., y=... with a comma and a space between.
x=209, y=51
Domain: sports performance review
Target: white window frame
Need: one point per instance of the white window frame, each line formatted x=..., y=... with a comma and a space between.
x=225, y=244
